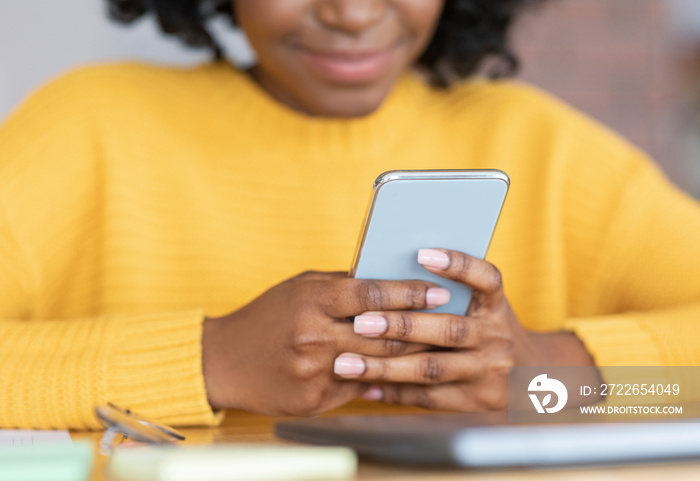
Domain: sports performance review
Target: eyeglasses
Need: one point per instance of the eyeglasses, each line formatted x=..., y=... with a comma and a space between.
x=129, y=425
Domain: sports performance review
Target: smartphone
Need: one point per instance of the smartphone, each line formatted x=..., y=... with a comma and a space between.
x=421, y=209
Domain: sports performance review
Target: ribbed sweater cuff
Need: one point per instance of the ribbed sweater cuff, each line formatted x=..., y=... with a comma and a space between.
x=616, y=341
x=155, y=368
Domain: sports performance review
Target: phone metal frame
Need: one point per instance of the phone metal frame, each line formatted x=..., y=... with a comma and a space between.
x=394, y=175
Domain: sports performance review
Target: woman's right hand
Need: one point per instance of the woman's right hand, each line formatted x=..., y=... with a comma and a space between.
x=276, y=355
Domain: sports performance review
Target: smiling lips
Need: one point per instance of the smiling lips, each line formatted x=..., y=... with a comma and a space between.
x=348, y=66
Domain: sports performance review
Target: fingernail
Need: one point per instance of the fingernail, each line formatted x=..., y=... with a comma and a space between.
x=349, y=366
x=433, y=258
x=370, y=325
x=437, y=296
x=374, y=393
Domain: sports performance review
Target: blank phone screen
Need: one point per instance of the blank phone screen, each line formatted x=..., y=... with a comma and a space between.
x=421, y=213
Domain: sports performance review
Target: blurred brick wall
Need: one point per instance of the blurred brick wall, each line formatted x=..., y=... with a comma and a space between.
x=614, y=59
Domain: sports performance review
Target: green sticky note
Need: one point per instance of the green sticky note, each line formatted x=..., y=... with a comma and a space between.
x=47, y=462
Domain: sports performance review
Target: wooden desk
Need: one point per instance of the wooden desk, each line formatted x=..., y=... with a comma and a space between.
x=250, y=428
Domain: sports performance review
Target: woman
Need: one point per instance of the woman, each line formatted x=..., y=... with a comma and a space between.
x=149, y=217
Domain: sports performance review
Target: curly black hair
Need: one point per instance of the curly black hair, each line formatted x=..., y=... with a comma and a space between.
x=468, y=32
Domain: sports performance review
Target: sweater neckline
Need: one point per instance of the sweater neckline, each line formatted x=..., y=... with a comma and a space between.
x=247, y=102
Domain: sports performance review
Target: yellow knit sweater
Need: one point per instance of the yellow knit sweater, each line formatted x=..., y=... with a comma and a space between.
x=136, y=199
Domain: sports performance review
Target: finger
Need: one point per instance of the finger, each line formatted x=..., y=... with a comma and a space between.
x=420, y=368
x=348, y=341
x=476, y=273
x=314, y=401
x=373, y=393
x=318, y=276
x=446, y=330
x=343, y=393
x=427, y=397
x=446, y=397
x=350, y=297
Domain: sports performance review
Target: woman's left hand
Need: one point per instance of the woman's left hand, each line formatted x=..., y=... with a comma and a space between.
x=472, y=373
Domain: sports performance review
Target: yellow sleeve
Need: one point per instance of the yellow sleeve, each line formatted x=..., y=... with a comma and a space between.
x=59, y=357
x=53, y=372
x=651, y=269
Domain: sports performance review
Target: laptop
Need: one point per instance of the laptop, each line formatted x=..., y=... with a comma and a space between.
x=486, y=440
